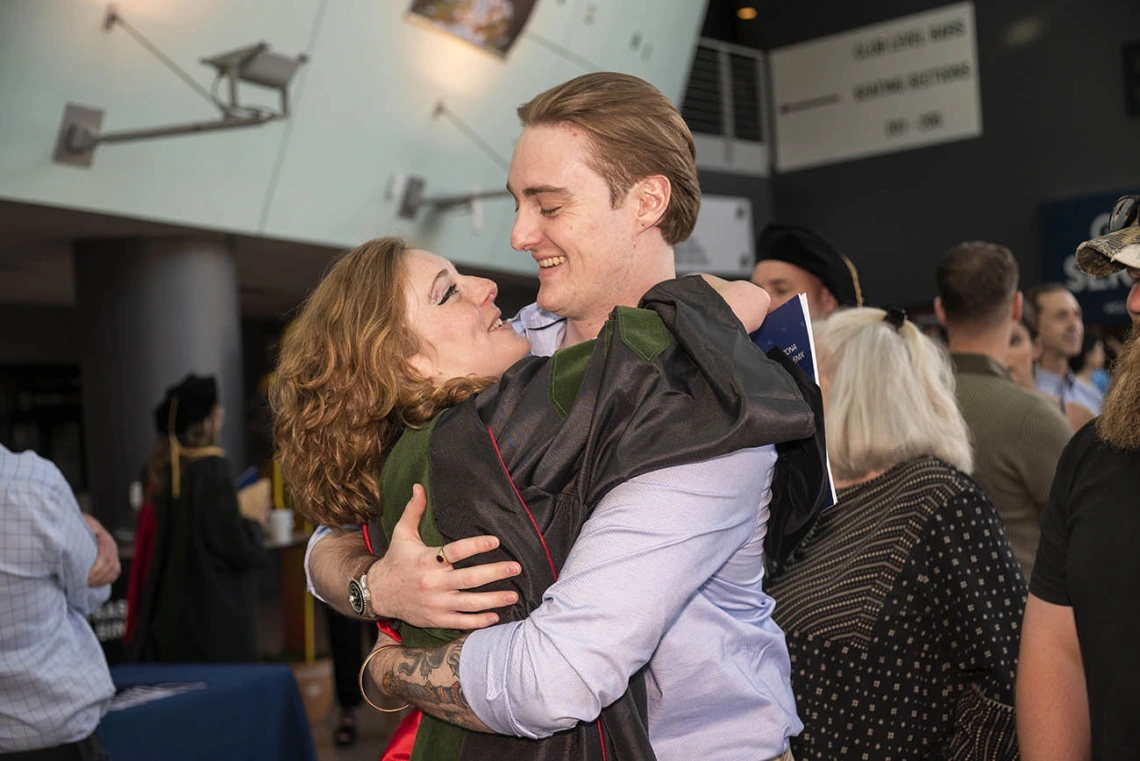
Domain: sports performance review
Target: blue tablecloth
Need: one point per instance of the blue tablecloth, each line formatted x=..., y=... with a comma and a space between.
x=247, y=712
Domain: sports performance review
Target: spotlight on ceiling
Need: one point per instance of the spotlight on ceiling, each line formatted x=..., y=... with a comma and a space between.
x=747, y=13
x=255, y=64
x=258, y=65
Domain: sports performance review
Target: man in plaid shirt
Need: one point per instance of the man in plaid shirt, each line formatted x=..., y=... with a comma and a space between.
x=56, y=568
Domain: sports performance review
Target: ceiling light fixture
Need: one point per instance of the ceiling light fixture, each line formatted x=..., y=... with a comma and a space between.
x=408, y=190
x=256, y=64
x=747, y=13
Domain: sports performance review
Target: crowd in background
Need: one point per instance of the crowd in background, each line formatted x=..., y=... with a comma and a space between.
x=907, y=598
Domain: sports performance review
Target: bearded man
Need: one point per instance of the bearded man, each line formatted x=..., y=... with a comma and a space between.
x=1079, y=660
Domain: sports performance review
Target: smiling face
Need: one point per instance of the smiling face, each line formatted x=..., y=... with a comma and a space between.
x=461, y=331
x=591, y=256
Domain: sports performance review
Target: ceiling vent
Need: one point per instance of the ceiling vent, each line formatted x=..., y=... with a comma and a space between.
x=724, y=107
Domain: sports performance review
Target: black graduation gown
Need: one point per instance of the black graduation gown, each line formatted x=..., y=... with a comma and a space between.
x=200, y=603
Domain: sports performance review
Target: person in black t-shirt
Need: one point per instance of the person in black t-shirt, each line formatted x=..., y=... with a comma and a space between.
x=1080, y=663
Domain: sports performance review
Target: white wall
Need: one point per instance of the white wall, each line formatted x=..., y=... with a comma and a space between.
x=362, y=110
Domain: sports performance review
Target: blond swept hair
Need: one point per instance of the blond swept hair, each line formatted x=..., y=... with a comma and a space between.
x=344, y=389
x=890, y=396
x=635, y=132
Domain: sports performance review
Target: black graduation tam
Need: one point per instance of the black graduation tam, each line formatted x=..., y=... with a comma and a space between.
x=814, y=253
x=196, y=395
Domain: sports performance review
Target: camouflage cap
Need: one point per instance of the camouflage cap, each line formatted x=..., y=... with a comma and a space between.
x=1111, y=253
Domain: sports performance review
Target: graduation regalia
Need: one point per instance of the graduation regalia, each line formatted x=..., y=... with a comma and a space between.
x=676, y=381
x=199, y=602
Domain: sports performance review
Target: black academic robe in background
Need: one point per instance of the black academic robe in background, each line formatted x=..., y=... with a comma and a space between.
x=200, y=603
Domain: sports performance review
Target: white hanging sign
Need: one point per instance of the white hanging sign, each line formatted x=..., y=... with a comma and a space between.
x=878, y=89
x=722, y=242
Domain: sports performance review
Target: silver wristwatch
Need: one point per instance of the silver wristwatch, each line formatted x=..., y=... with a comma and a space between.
x=359, y=597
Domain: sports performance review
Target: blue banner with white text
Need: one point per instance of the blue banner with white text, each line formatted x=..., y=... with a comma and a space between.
x=1065, y=224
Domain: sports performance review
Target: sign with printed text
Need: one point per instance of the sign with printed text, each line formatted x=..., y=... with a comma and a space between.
x=1064, y=226
x=879, y=89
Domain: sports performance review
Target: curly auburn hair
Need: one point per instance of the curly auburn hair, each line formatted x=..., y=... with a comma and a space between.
x=344, y=389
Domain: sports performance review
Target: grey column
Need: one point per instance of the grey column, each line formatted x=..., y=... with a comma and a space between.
x=150, y=311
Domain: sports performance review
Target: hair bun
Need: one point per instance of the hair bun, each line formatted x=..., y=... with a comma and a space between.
x=896, y=317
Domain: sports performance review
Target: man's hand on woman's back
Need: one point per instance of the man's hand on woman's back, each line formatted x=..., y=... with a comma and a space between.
x=410, y=582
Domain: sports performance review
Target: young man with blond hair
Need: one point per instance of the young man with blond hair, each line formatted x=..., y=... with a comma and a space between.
x=667, y=574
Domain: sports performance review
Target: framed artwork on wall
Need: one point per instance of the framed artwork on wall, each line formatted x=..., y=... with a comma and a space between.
x=490, y=25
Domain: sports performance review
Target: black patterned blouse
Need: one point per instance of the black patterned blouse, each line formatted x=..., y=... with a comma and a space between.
x=902, y=610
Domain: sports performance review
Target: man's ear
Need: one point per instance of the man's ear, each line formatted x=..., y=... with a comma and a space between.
x=1017, y=308
x=939, y=312
x=651, y=197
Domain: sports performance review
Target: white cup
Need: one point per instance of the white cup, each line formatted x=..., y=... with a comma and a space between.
x=281, y=526
x=136, y=496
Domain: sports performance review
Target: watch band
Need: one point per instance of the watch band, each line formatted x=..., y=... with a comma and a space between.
x=359, y=596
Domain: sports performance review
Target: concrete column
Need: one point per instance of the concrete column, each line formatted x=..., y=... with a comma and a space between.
x=150, y=311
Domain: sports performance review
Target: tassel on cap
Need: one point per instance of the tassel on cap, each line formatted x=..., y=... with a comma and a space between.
x=175, y=450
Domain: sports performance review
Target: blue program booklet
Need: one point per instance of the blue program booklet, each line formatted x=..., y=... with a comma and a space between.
x=788, y=329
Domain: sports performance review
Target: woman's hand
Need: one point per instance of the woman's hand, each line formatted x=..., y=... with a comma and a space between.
x=747, y=301
x=411, y=584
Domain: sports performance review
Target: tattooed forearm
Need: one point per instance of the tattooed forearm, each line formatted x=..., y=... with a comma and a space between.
x=428, y=678
x=423, y=662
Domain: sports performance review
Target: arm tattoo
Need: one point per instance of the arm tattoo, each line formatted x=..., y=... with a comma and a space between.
x=428, y=678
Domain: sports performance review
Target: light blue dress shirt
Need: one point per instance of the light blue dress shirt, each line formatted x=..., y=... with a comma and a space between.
x=1068, y=388
x=55, y=681
x=667, y=572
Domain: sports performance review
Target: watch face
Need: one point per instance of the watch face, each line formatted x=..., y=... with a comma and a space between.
x=356, y=597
